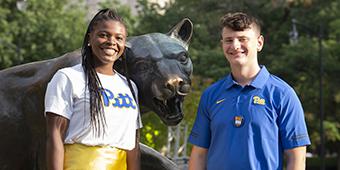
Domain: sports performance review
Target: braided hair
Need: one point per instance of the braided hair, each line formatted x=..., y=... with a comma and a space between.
x=97, y=118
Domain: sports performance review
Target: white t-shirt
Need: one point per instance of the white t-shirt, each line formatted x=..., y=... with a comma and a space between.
x=65, y=96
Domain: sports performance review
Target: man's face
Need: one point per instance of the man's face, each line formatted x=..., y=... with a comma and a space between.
x=241, y=47
x=107, y=41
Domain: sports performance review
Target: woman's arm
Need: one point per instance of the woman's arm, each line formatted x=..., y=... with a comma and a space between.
x=56, y=128
x=133, y=156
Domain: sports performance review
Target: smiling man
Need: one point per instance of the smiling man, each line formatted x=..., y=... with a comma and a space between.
x=249, y=119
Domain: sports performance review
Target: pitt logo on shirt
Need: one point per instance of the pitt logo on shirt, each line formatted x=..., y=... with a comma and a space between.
x=120, y=100
x=258, y=100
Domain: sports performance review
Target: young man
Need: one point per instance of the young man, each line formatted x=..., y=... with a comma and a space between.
x=248, y=119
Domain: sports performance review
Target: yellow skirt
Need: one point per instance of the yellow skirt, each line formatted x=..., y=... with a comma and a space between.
x=82, y=157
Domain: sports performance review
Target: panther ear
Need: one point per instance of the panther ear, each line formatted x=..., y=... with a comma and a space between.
x=182, y=31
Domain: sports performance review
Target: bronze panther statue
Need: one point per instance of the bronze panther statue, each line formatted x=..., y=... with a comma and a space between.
x=158, y=63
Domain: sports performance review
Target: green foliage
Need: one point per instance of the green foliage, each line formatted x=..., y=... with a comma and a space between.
x=123, y=11
x=332, y=131
x=154, y=132
x=46, y=29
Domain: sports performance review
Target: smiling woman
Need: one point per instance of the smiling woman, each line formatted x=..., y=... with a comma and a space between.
x=107, y=41
x=91, y=110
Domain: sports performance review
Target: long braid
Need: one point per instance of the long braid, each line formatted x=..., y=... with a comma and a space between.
x=95, y=90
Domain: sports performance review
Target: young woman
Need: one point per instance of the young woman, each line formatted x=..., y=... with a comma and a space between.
x=92, y=114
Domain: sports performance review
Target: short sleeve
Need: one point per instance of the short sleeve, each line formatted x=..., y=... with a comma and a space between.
x=291, y=121
x=58, y=97
x=200, y=134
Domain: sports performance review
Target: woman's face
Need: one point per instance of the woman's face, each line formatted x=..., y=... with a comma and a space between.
x=107, y=40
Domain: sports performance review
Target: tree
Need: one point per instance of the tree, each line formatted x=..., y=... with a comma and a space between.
x=46, y=29
x=124, y=11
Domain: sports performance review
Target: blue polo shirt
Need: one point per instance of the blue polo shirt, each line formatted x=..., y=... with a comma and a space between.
x=248, y=128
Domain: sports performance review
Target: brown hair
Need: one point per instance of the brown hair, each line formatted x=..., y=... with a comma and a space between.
x=239, y=21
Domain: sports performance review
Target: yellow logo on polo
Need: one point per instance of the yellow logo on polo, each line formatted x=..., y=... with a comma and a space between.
x=258, y=100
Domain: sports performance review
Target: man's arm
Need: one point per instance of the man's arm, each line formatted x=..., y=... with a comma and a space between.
x=296, y=158
x=133, y=156
x=56, y=128
x=198, y=158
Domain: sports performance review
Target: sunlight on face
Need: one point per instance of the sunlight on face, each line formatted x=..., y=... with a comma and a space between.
x=241, y=47
x=107, y=41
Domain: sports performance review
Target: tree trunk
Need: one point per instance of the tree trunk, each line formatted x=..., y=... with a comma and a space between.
x=338, y=159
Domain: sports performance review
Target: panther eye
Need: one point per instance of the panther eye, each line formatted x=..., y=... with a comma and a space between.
x=142, y=66
x=183, y=58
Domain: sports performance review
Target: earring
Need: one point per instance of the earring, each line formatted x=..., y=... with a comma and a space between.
x=88, y=44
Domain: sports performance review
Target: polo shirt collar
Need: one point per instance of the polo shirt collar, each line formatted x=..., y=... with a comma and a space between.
x=261, y=78
x=229, y=81
x=258, y=82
